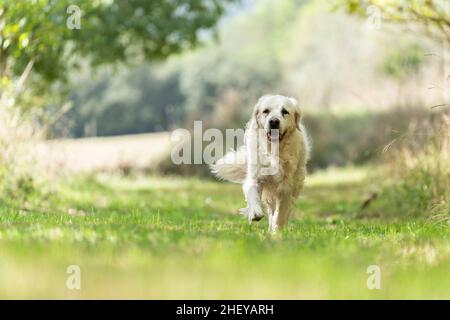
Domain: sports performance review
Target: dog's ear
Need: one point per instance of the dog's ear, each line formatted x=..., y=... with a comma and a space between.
x=297, y=112
x=256, y=111
x=254, y=123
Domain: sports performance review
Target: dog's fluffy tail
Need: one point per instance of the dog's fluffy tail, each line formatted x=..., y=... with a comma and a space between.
x=232, y=167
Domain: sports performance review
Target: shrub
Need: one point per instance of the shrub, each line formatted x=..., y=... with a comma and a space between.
x=18, y=169
x=419, y=167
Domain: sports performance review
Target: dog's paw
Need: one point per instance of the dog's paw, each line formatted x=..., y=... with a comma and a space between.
x=252, y=214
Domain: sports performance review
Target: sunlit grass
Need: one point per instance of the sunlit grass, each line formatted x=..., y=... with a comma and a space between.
x=153, y=237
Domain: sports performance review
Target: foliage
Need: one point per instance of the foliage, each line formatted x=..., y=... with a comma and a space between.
x=134, y=100
x=433, y=14
x=19, y=175
x=420, y=157
x=36, y=32
x=420, y=171
x=403, y=63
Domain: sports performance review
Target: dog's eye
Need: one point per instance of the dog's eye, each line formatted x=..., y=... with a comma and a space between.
x=284, y=112
x=266, y=111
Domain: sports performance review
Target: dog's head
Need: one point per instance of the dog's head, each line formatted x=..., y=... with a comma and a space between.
x=277, y=115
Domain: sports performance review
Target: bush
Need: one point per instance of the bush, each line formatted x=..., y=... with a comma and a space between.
x=18, y=169
x=420, y=169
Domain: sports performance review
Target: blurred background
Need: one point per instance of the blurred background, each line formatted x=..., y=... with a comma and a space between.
x=362, y=80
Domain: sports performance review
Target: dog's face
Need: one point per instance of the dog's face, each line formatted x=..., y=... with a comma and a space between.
x=277, y=115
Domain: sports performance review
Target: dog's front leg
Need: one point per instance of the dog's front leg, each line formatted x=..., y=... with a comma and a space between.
x=281, y=214
x=251, y=187
x=252, y=192
x=270, y=215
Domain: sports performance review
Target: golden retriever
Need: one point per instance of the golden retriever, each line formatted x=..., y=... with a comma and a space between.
x=271, y=165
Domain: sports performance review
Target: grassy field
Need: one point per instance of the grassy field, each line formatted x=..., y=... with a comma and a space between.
x=151, y=237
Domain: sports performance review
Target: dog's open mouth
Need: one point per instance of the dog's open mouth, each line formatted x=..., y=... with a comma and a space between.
x=274, y=136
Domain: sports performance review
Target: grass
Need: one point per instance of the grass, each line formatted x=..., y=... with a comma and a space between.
x=163, y=237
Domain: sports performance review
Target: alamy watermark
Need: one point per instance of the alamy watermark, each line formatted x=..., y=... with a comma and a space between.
x=374, y=280
x=374, y=17
x=73, y=281
x=207, y=146
x=74, y=18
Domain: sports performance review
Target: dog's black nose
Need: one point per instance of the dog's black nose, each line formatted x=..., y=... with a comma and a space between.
x=274, y=124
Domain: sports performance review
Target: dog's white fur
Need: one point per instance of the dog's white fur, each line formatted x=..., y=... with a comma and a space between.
x=270, y=179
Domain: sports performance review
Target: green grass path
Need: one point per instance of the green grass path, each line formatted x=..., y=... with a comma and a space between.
x=151, y=237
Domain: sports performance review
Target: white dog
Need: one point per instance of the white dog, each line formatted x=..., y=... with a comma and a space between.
x=271, y=164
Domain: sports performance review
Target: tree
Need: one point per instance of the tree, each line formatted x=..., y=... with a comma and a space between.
x=434, y=15
x=127, y=101
x=48, y=37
